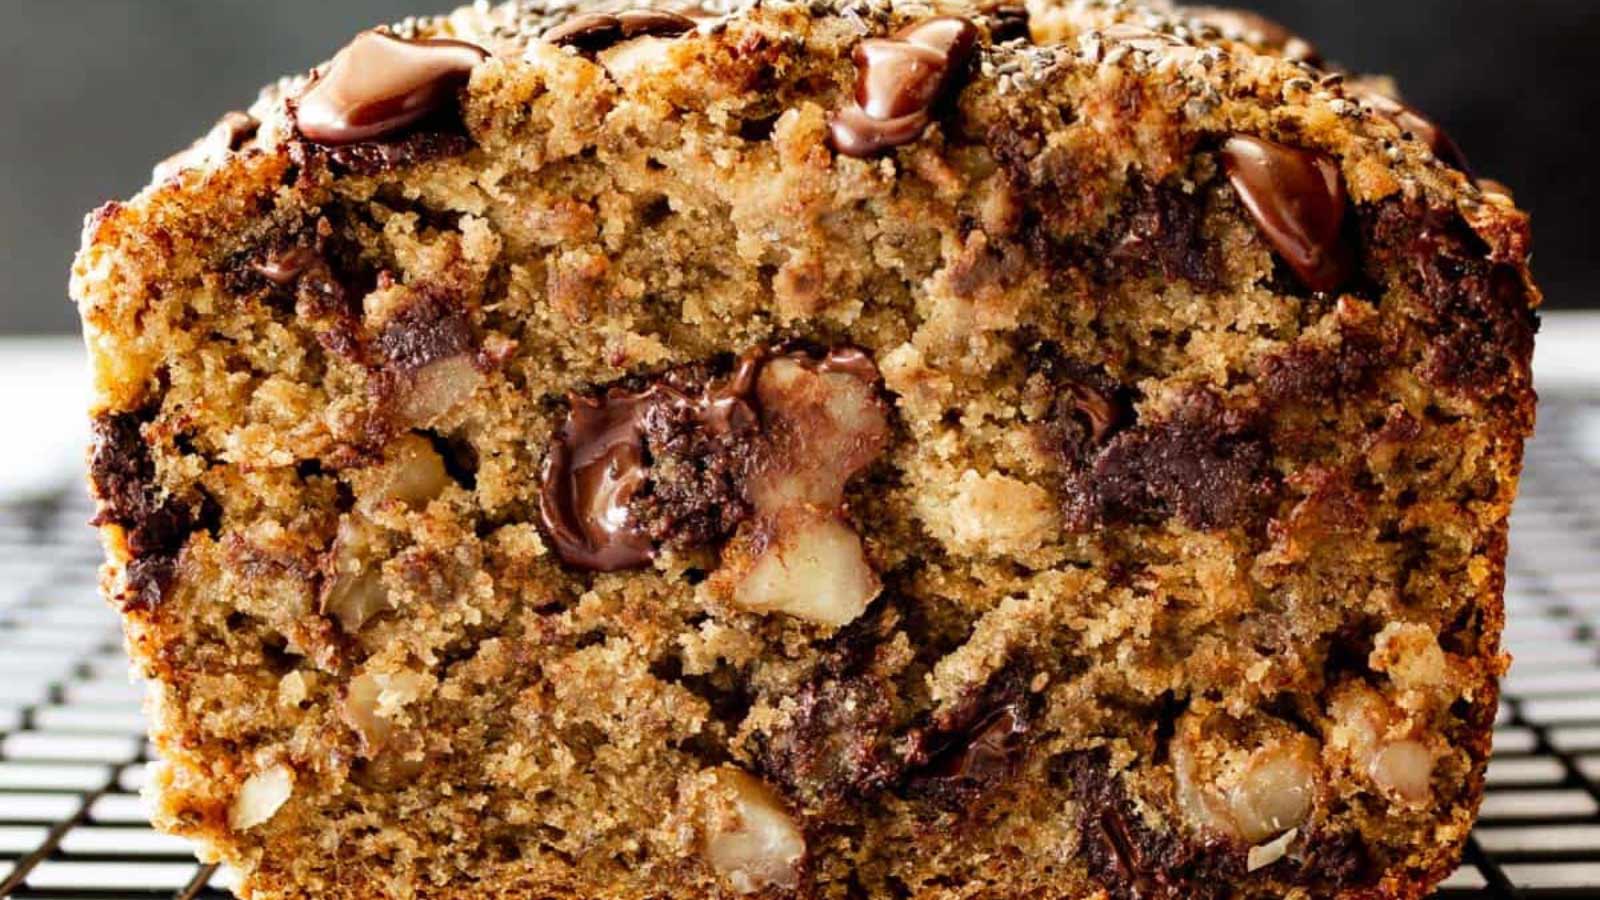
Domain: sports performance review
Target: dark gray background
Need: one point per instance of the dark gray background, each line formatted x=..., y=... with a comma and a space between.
x=93, y=91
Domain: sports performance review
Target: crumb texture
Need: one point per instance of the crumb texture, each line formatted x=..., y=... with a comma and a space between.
x=835, y=450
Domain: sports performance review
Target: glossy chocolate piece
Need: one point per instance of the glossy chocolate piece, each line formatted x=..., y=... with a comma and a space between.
x=379, y=85
x=285, y=267
x=600, y=459
x=1008, y=23
x=896, y=78
x=1413, y=122
x=1297, y=198
x=899, y=81
x=593, y=32
x=854, y=133
x=993, y=748
x=592, y=472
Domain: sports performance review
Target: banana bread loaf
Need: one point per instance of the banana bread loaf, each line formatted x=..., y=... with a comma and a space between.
x=836, y=449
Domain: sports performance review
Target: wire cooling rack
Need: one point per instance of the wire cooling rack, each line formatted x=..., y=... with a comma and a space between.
x=72, y=755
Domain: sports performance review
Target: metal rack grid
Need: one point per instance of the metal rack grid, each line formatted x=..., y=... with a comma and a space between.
x=72, y=756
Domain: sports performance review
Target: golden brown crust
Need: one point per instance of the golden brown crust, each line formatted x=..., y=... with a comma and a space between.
x=1184, y=580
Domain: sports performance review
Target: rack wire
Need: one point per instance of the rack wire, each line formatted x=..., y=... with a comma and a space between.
x=72, y=753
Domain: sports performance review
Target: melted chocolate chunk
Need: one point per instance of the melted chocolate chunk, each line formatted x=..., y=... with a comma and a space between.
x=1297, y=198
x=1008, y=23
x=1307, y=372
x=155, y=525
x=899, y=82
x=993, y=749
x=1476, y=311
x=837, y=745
x=634, y=469
x=285, y=268
x=839, y=742
x=1132, y=861
x=433, y=326
x=1414, y=123
x=590, y=476
x=378, y=157
x=593, y=32
x=1205, y=465
x=379, y=85
x=1161, y=232
x=1087, y=408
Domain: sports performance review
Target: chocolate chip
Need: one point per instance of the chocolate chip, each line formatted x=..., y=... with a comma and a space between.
x=854, y=133
x=592, y=32
x=639, y=467
x=1160, y=230
x=592, y=472
x=1297, y=198
x=993, y=748
x=899, y=81
x=896, y=78
x=379, y=85
x=155, y=525
x=1413, y=122
x=1094, y=406
x=588, y=31
x=285, y=267
x=1087, y=406
x=1205, y=465
x=1008, y=23
x=1478, y=319
x=653, y=23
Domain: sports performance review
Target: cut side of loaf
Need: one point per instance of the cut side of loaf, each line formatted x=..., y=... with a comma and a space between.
x=834, y=450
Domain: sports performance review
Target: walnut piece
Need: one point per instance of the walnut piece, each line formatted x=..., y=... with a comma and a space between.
x=354, y=591
x=412, y=473
x=750, y=839
x=260, y=797
x=814, y=568
x=799, y=555
x=437, y=388
x=1377, y=741
x=373, y=701
x=1250, y=793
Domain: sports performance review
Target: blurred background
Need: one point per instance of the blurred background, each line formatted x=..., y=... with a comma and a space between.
x=92, y=92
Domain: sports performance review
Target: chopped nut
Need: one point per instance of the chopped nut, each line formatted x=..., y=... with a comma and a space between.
x=1264, y=855
x=989, y=514
x=1377, y=741
x=837, y=427
x=292, y=689
x=355, y=591
x=750, y=838
x=412, y=472
x=439, y=387
x=1246, y=794
x=373, y=700
x=803, y=558
x=1404, y=768
x=260, y=797
x=1411, y=656
x=815, y=568
x=1276, y=790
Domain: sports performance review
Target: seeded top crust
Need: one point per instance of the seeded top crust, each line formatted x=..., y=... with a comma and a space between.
x=825, y=450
